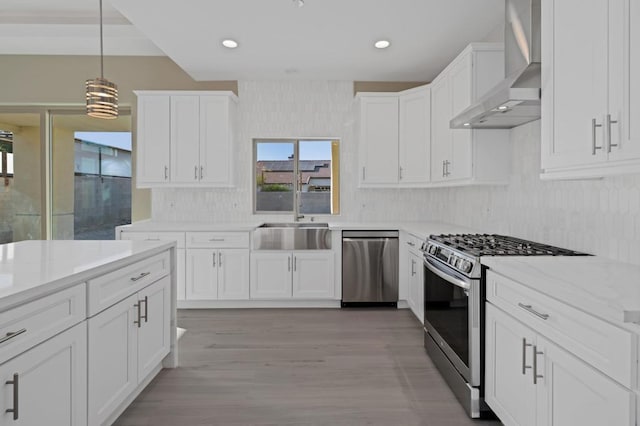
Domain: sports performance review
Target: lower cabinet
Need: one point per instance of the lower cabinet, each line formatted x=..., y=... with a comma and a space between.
x=300, y=274
x=532, y=381
x=126, y=341
x=415, y=297
x=217, y=274
x=47, y=384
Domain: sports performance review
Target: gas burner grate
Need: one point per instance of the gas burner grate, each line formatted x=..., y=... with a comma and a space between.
x=499, y=245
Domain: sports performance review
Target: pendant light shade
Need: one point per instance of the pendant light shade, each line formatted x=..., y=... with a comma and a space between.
x=101, y=94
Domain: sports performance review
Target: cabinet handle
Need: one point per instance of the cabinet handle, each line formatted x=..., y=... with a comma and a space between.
x=152, y=239
x=400, y=173
x=142, y=275
x=530, y=309
x=593, y=136
x=289, y=263
x=139, y=315
x=609, y=123
x=166, y=172
x=536, y=376
x=443, y=168
x=411, y=244
x=195, y=172
x=220, y=259
x=363, y=173
x=16, y=394
x=11, y=334
x=146, y=308
x=413, y=264
x=201, y=168
x=218, y=240
x=446, y=167
x=524, y=356
x=214, y=260
x=295, y=263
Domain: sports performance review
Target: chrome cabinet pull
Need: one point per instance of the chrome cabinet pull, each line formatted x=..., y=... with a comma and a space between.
x=524, y=356
x=295, y=263
x=413, y=265
x=201, y=168
x=536, y=376
x=594, y=148
x=446, y=167
x=530, y=309
x=195, y=172
x=400, y=173
x=16, y=394
x=218, y=240
x=139, y=315
x=146, y=308
x=609, y=123
x=152, y=239
x=289, y=263
x=166, y=172
x=363, y=173
x=443, y=168
x=11, y=334
x=214, y=259
x=220, y=259
x=411, y=244
x=142, y=275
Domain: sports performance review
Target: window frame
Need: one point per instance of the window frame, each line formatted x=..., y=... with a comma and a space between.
x=296, y=190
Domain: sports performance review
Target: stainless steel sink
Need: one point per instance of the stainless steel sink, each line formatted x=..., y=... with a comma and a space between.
x=292, y=236
x=294, y=225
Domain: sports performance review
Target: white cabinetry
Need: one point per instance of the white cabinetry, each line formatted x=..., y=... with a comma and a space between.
x=395, y=138
x=127, y=341
x=47, y=385
x=185, y=138
x=590, y=89
x=304, y=274
x=563, y=367
x=467, y=156
x=412, y=274
x=217, y=266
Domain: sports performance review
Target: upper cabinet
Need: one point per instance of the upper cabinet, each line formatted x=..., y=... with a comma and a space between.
x=590, y=88
x=395, y=138
x=467, y=156
x=185, y=138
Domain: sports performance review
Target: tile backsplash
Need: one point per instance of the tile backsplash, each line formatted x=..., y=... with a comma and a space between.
x=599, y=216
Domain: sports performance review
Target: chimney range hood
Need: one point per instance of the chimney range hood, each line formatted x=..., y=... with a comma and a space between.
x=515, y=100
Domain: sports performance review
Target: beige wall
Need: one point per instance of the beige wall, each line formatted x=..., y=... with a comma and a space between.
x=55, y=80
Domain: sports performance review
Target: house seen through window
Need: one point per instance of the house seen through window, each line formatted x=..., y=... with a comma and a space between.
x=300, y=176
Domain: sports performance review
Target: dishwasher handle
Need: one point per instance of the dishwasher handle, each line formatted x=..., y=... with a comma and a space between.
x=349, y=240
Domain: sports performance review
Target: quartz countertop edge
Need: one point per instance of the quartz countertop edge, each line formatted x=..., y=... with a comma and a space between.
x=32, y=284
x=605, y=288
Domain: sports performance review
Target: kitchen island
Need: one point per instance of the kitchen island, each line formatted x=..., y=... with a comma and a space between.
x=86, y=325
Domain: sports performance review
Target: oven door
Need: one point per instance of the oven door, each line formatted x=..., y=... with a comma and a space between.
x=452, y=316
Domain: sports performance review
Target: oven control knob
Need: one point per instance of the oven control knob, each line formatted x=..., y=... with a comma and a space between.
x=432, y=249
x=466, y=266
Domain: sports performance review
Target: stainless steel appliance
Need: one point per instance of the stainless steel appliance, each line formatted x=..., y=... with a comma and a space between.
x=369, y=268
x=454, y=297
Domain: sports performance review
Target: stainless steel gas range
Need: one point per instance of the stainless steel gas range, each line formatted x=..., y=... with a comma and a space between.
x=454, y=298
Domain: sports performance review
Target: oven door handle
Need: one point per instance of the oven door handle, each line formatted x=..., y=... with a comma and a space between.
x=453, y=280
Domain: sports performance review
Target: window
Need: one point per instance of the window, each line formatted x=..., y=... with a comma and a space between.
x=298, y=176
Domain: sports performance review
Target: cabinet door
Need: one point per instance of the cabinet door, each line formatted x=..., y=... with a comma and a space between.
x=416, y=286
x=572, y=393
x=440, y=131
x=153, y=331
x=510, y=391
x=415, y=137
x=185, y=139
x=460, y=77
x=574, y=82
x=233, y=274
x=379, y=139
x=215, y=140
x=313, y=276
x=271, y=275
x=113, y=358
x=153, y=140
x=52, y=382
x=202, y=274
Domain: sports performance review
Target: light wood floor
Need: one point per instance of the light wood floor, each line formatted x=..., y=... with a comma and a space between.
x=299, y=367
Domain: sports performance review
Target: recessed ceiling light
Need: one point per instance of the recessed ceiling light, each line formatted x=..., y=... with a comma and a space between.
x=466, y=124
x=382, y=44
x=502, y=107
x=229, y=43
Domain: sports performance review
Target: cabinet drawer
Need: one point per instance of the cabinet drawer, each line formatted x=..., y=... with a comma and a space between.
x=40, y=320
x=178, y=237
x=414, y=243
x=112, y=287
x=217, y=239
x=601, y=344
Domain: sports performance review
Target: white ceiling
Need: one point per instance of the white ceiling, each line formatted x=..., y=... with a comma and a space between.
x=325, y=39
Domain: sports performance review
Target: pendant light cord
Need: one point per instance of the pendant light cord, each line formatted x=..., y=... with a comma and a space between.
x=101, y=52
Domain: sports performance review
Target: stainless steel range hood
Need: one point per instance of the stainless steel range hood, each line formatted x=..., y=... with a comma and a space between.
x=516, y=100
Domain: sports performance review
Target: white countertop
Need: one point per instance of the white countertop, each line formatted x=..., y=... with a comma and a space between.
x=602, y=287
x=151, y=226
x=31, y=269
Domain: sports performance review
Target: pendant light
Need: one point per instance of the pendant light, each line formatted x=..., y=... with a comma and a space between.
x=102, y=95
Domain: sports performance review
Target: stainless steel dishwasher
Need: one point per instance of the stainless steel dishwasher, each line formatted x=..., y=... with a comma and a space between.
x=369, y=268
